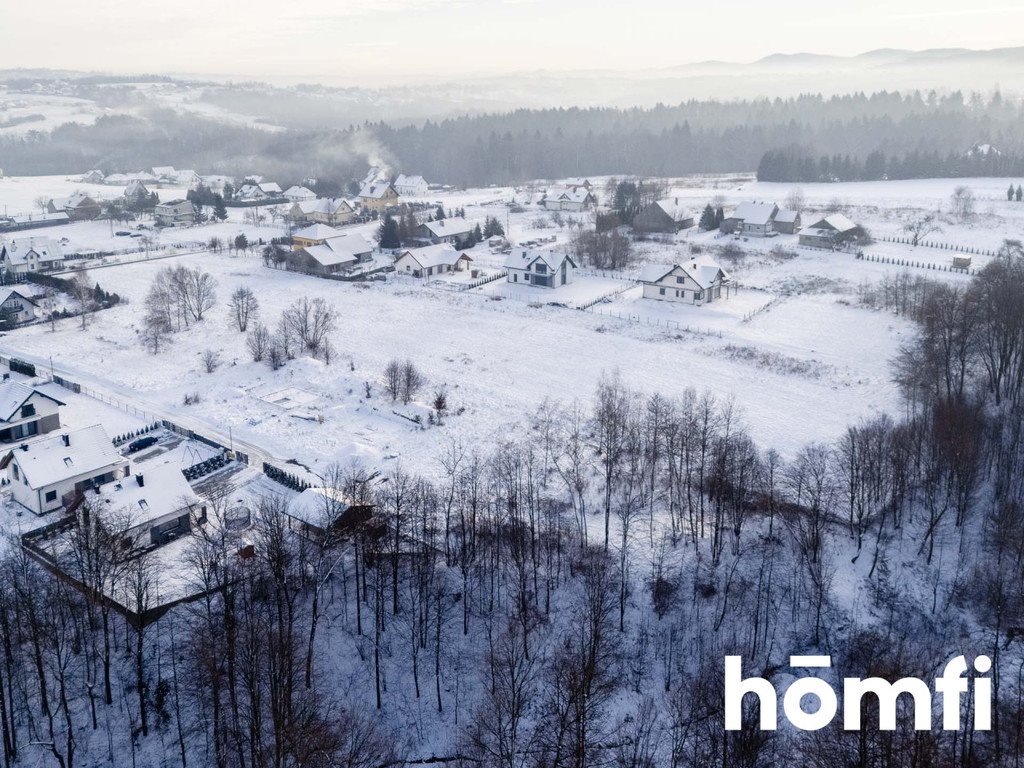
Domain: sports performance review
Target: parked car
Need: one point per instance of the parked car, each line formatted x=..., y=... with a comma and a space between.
x=121, y=233
x=141, y=444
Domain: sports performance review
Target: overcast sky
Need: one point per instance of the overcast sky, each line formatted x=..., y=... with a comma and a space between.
x=368, y=42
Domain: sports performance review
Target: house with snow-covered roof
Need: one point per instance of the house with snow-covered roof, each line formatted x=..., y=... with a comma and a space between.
x=152, y=507
x=26, y=411
x=451, y=230
x=259, y=192
x=431, y=260
x=752, y=219
x=334, y=254
x=699, y=280
x=30, y=254
x=572, y=199
x=787, y=221
x=175, y=213
x=16, y=307
x=296, y=194
x=667, y=215
x=411, y=186
x=831, y=231
x=78, y=206
x=314, y=234
x=326, y=210
x=542, y=269
x=46, y=474
x=377, y=195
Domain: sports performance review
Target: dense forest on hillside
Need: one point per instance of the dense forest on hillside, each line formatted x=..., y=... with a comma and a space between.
x=914, y=135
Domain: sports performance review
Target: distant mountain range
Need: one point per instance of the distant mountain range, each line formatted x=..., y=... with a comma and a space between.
x=781, y=74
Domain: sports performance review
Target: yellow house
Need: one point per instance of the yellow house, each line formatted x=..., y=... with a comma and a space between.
x=317, y=234
x=377, y=195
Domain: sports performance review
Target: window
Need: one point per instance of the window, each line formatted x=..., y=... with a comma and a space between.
x=28, y=410
x=14, y=469
x=661, y=291
x=680, y=279
x=698, y=295
x=51, y=496
x=541, y=268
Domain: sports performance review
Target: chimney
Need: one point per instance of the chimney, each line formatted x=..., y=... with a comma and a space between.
x=66, y=438
x=140, y=480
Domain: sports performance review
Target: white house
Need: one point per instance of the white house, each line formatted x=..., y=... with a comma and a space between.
x=450, y=230
x=411, y=186
x=175, y=213
x=50, y=472
x=266, y=190
x=297, y=194
x=16, y=307
x=326, y=210
x=574, y=199
x=26, y=411
x=543, y=269
x=831, y=231
x=153, y=507
x=753, y=219
x=699, y=280
x=431, y=260
x=376, y=196
x=31, y=254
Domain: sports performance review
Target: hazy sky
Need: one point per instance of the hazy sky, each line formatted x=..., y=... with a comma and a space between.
x=374, y=41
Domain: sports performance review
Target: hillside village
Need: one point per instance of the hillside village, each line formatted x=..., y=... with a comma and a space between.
x=194, y=362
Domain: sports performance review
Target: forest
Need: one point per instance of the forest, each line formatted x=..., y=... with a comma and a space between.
x=911, y=135
x=568, y=598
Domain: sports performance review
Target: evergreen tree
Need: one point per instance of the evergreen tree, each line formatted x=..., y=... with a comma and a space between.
x=719, y=217
x=1020, y=193
x=478, y=236
x=388, y=234
x=707, y=218
x=439, y=213
x=220, y=211
x=1010, y=192
x=493, y=228
x=229, y=190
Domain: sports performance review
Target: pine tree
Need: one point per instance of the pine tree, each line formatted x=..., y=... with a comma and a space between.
x=707, y=218
x=1020, y=193
x=439, y=213
x=1010, y=192
x=478, y=236
x=220, y=211
x=719, y=217
x=387, y=234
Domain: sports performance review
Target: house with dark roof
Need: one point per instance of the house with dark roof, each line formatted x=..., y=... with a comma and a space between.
x=26, y=411
x=667, y=215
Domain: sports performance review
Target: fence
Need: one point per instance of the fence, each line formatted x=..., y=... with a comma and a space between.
x=485, y=279
x=935, y=244
x=588, y=304
x=917, y=264
x=657, y=322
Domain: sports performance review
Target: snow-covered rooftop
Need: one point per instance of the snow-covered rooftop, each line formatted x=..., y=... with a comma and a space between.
x=162, y=491
x=67, y=454
x=435, y=255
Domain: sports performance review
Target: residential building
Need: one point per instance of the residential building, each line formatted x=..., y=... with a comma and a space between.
x=78, y=207
x=297, y=194
x=135, y=193
x=259, y=192
x=315, y=234
x=699, y=280
x=542, y=269
x=16, y=307
x=26, y=411
x=175, y=213
x=150, y=508
x=92, y=177
x=334, y=254
x=787, y=222
x=751, y=219
x=411, y=186
x=377, y=195
x=453, y=231
x=332, y=211
x=431, y=260
x=48, y=473
x=572, y=199
x=31, y=254
x=668, y=215
x=831, y=232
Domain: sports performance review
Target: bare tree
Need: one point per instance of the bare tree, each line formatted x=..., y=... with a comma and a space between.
x=258, y=341
x=245, y=308
x=921, y=227
x=211, y=360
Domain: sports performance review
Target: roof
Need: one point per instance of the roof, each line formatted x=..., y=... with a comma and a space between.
x=296, y=191
x=28, y=218
x=314, y=505
x=375, y=190
x=174, y=203
x=522, y=258
x=674, y=210
x=787, y=216
x=270, y=187
x=328, y=205
x=702, y=269
x=434, y=255
x=7, y=293
x=835, y=222
x=755, y=213
x=163, y=491
x=450, y=227
x=48, y=461
x=72, y=201
x=44, y=248
x=318, y=232
x=409, y=181
x=572, y=194
x=577, y=181
x=163, y=170
x=14, y=394
x=342, y=249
